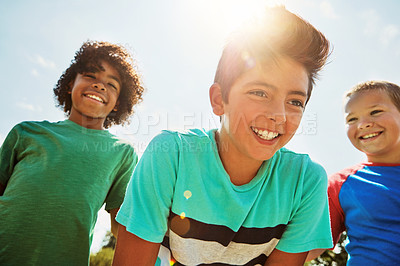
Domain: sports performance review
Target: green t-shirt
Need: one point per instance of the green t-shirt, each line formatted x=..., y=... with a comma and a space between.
x=57, y=177
x=181, y=195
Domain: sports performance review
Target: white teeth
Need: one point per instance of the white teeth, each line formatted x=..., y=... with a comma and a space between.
x=265, y=134
x=370, y=136
x=272, y=135
x=97, y=98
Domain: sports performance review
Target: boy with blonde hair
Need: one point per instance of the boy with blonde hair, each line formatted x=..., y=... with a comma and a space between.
x=364, y=199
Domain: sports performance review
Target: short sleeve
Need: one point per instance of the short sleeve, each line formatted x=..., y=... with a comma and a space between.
x=310, y=227
x=116, y=194
x=335, y=209
x=9, y=155
x=148, y=198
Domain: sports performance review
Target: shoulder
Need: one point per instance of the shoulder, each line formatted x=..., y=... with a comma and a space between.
x=300, y=160
x=120, y=142
x=301, y=168
x=194, y=134
x=120, y=145
x=169, y=143
x=125, y=145
x=23, y=131
x=31, y=126
x=336, y=180
x=289, y=154
x=183, y=137
x=341, y=176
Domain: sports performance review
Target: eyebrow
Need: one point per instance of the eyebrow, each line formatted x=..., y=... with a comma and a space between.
x=95, y=70
x=267, y=85
x=108, y=76
x=115, y=78
x=369, y=107
x=348, y=115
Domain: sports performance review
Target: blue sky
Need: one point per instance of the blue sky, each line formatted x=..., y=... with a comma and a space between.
x=177, y=44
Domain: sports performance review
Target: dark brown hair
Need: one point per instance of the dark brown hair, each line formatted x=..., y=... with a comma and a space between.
x=278, y=33
x=89, y=58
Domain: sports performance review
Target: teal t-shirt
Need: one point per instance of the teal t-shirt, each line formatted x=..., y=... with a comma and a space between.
x=57, y=177
x=180, y=195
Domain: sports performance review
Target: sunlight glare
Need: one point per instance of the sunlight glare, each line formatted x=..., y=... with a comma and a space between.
x=233, y=13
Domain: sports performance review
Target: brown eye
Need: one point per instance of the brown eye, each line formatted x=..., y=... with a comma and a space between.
x=297, y=103
x=259, y=93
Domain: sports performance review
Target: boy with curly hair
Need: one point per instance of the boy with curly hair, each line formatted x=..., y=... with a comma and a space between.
x=54, y=177
x=234, y=195
x=364, y=199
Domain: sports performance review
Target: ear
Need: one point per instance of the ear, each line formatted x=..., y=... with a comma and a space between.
x=70, y=86
x=216, y=101
x=116, y=106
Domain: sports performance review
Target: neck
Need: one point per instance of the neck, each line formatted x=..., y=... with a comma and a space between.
x=240, y=169
x=387, y=159
x=88, y=122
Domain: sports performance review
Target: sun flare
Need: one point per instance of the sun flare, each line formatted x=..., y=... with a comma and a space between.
x=233, y=13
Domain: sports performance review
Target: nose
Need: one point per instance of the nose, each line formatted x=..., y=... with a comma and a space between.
x=364, y=124
x=277, y=113
x=99, y=86
x=277, y=117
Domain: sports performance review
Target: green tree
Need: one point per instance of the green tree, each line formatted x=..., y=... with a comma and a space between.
x=105, y=255
x=109, y=240
x=102, y=258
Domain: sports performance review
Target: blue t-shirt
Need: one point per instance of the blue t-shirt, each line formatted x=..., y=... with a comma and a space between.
x=181, y=195
x=365, y=201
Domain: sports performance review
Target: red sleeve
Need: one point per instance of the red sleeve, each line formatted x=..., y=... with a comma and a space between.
x=335, y=209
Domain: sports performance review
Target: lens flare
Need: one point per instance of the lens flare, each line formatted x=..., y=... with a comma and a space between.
x=187, y=194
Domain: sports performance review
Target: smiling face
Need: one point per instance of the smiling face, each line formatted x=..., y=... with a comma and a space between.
x=373, y=126
x=263, y=112
x=94, y=95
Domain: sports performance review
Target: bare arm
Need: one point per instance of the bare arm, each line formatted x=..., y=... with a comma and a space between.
x=114, y=224
x=130, y=248
x=280, y=258
x=313, y=254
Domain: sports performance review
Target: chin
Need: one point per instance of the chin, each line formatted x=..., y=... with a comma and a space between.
x=265, y=156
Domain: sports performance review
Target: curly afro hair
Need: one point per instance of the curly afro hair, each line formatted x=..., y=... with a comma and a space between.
x=89, y=58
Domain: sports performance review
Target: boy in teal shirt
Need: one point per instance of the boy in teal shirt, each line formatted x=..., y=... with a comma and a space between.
x=235, y=196
x=54, y=177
